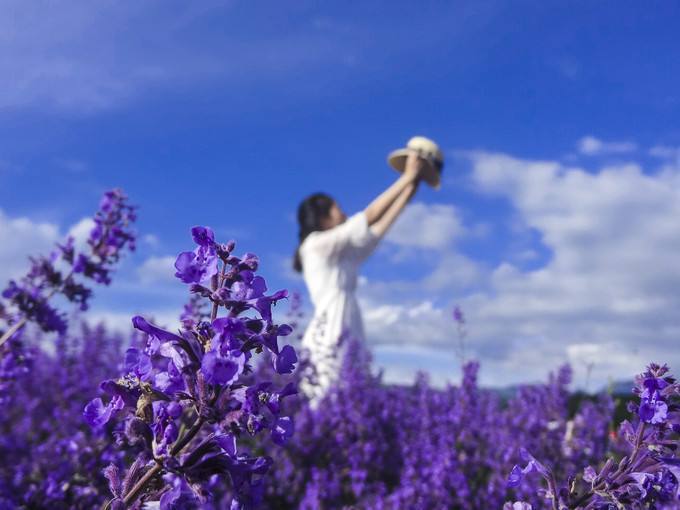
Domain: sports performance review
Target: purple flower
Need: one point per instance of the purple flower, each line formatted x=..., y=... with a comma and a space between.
x=282, y=430
x=107, y=240
x=652, y=386
x=222, y=369
x=284, y=362
x=518, y=473
x=164, y=425
x=653, y=411
x=137, y=363
x=253, y=289
x=142, y=324
x=200, y=381
x=228, y=330
x=228, y=443
x=517, y=505
x=264, y=304
x=97, y=414
x=196, y=266
x=458, y=315
x=203, y=236
x=179, y=497
x=200, y=265
x=274, y=400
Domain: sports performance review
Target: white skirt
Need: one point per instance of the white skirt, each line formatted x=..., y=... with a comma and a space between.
x=334, y=324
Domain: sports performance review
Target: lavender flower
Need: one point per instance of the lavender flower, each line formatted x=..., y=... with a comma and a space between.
x=195, y=381
x=201, y=417
x=107, y=241
x=51, y=459
x=648, y=476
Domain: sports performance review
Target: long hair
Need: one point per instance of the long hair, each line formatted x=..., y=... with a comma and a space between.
x=311, y=212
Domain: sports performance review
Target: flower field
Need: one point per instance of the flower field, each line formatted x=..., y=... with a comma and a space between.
x=209, y=416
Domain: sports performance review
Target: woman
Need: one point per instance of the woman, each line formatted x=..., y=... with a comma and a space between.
x=332, y=247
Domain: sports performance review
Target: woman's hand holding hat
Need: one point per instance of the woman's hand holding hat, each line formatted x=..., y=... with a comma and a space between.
x=429, y=153
x=414, y=165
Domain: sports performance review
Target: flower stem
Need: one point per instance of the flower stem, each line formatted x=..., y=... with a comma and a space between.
x=22, y=322
x=15, y=327
x=134, y=493
x=217, y=283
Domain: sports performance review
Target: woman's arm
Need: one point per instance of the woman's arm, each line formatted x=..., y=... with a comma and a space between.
x=380, y=227
x=385, y=200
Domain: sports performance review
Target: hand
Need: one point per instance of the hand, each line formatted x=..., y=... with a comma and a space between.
x=414, y=165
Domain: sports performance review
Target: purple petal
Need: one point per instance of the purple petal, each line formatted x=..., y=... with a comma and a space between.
x=203, y=236
x=219, y=369
x=142, y=325
x=282, y=430
x=284, y=363
x=96, y=413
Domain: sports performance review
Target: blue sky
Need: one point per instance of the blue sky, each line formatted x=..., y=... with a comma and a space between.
x=558, y=120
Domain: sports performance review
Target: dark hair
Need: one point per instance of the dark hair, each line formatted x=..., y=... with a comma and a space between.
x=311, y=211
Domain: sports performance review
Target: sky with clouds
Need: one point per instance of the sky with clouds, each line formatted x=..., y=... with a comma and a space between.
x=557, y=228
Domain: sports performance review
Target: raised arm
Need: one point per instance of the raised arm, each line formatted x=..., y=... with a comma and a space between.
x=380, y=227
x=408, y=178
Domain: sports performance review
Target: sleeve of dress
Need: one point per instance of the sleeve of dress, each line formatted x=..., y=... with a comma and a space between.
x=353, y=238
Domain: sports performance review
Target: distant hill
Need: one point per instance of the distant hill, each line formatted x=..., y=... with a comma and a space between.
x=621, y=387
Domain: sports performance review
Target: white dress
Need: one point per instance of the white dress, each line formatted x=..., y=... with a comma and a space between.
x=330, y=261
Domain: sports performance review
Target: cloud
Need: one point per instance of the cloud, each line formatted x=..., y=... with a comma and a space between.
x=81, y=232
x=613, y=277
x=608, y=294
x=388, y=322
x=19, y=238
x=74, y=57
x=591, y=146
x=84, y=57
x=23, y=237
x=428, y=226
x=121, y=322
x=157, y=270
x=666, y=152
x=151, y=240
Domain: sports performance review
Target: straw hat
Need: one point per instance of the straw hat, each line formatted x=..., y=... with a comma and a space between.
x=428, y=150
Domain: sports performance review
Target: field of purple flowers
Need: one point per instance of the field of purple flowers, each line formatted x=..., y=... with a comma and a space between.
x=209, y=416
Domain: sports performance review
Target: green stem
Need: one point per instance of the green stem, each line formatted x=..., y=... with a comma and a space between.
x=22, y=322
x=134, y=493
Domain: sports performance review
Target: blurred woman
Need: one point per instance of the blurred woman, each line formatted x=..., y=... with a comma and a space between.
x=332, y=247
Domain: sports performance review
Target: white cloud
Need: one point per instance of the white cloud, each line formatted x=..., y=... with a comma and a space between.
x=19, y=238
x=666, y=152
x=430, y=226
x=614, y=274
x=591, y=146
x=81, y=232
x=72, y=56
x=414, y=323
x=454, y=273
x=85, y=57
x=121, y=322
x=151, y=240
x=23, y=237
x=608, y=294
x=157, y=270
x=82, y=57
